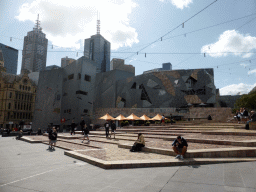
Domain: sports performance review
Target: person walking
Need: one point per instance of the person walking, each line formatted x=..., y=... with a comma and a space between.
x=54, y=138
x=73, y=126
x=113, y=129
x=49, y=136
x=163, y=119
x=82, y=123
x=86, y=131
x=180, y=146
x=139, y=143
x=107, y=128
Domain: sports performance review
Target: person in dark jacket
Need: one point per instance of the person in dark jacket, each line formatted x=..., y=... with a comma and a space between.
x=107, y=128
x=86, y=131
x=113, y=129
x=49, y=136
x=252, y=119
x=82, y=123
x=73, y=126
x=39, y=132
x=180, y=146
x=53, y=138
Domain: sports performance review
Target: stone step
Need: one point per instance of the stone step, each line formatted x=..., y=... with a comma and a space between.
x=203, y=153
x=124, y=164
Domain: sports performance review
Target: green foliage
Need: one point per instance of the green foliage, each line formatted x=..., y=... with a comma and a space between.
x=136, y=123
x=147, y=123
x=167, y=121
x=247, y=101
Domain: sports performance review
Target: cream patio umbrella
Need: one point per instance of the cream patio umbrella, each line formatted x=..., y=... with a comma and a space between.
x=120, y=118
x=133, y=117
x=157, y=118
x=107, y=117
x=145, y=118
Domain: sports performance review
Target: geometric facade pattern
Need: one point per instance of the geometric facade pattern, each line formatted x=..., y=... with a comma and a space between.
x=161, y=89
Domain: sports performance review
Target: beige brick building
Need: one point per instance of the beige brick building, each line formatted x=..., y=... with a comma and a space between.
x=17, y=99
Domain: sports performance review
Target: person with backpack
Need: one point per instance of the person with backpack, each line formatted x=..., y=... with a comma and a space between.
x=86, y=131
x=53, y=138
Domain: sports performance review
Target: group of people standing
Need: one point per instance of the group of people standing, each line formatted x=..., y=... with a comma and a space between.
x=85, y=130
x=112, y=125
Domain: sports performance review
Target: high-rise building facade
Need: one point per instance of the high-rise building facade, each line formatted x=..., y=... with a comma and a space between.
x=97, y=49
x=34, y=52
x=10, y=57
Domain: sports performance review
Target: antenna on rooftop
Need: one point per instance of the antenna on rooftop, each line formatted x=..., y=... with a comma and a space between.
x=98, y=24
x=38, y=23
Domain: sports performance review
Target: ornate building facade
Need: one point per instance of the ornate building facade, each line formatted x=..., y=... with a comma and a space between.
x=17, y=100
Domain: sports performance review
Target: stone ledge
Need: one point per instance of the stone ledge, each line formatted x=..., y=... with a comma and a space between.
x=151, y=163
x=29, y=140
x=203, y=153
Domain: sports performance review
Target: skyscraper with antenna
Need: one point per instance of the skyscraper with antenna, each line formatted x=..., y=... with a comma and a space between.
x=97, y=48
x=34, y=52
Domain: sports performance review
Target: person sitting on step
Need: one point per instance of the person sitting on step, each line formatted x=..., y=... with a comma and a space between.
x=139, y=143
x=180, y=146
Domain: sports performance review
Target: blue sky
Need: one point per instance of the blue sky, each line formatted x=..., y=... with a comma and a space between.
x=225, y=32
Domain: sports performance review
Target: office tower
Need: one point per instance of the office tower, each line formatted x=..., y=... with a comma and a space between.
x=10, y=57
x=34, y=50
x=97, y=48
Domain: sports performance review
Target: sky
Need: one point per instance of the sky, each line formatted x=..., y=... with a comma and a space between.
x=190, y=34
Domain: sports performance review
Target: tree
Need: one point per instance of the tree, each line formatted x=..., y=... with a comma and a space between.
x=247, y=101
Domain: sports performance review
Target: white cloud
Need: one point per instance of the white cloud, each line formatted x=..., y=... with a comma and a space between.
x=236, y=89
x=244, y=65
x=67, y=22
x=180, y=3
x=252, y=71
x=231, y=41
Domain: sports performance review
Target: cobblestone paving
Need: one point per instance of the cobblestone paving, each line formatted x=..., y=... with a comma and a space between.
x=113, y=153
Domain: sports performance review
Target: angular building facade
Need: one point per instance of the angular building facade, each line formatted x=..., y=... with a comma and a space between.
x=10, y=56
x=34, y=52
x=163, y=89
x=97, y=49
x=65, y=93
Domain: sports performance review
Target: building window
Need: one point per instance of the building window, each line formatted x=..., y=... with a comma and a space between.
x=14, y=115
x=10, y=95
x=22, y=97
x=65, y=79
x=9, y=106
x=28, y=88
x=79, y=76
x=16, y=95
x=87, y=78
x=20, y=86
x=21, y=106
x=58, y=97
x=23, y=87
x=65, y=111
x=71, y=77
x=29, y=107
x=18, y=106
x=19, y=96
x=65, y=94
x=85, y=110
x=25, y=97
x=81, y=92
x=15, y=105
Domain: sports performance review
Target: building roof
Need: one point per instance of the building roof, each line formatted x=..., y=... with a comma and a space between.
x=10, y=78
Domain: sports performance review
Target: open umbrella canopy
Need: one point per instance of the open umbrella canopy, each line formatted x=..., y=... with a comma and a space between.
x=157, y=117
x=120, y=118
x=133, y=117
x=106, y=117
x=145, y=117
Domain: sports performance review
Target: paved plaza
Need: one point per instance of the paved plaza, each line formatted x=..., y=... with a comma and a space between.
x=29, y=167
x=107, y=165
